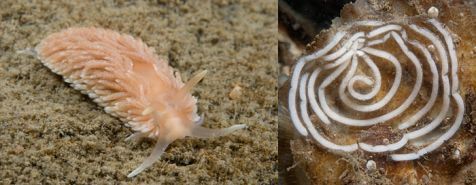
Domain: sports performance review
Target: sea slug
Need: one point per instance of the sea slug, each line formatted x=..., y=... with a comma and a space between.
x=123, y=75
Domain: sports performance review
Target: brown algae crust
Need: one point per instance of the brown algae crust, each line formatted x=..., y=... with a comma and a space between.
x=52, y=134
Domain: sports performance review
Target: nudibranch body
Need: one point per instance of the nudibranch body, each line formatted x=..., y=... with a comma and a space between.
x=128, y=79
x=380, y=87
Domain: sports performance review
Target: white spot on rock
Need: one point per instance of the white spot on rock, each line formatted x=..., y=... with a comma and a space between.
x=433, y=12
x=371, y=165
x=456, y=154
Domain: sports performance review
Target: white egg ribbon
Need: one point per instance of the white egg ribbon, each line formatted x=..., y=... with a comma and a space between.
x=320, y=70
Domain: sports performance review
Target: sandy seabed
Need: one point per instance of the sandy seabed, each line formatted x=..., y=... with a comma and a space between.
x=53, y=134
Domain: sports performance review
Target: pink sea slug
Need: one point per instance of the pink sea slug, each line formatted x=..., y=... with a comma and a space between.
x=131, y=82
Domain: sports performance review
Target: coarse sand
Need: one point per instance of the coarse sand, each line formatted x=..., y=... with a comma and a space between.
x=53, y=134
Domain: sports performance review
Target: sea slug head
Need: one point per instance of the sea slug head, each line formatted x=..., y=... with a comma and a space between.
x=176, y=120
x=179, y=117
x=176, y=124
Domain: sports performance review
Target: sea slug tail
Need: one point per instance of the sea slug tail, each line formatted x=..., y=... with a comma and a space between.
x=28, y=51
